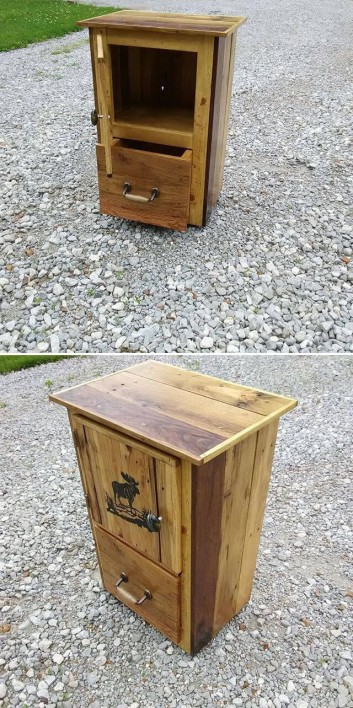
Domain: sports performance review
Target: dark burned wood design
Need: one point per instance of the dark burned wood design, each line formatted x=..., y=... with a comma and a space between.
x=129, y=490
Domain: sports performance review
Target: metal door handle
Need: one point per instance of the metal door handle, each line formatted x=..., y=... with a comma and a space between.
x=137, y=197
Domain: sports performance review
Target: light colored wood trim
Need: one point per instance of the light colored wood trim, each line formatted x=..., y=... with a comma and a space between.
x=104, y=96
x=156, y=133
x=186, y=500
x=152, y=451
x=100, y=52
x=140, y=38
x=201, y=122
x=222, y=447
x=265, y=448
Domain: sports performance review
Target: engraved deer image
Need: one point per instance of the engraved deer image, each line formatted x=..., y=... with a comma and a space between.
x=126, y=490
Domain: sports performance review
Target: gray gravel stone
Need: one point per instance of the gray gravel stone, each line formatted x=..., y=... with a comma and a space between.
x=277, y=251
x=73, y=644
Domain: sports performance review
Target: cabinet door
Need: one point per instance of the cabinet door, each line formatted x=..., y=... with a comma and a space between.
x=133, y=491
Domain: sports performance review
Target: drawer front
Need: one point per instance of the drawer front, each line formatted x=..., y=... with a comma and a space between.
x=162, y=607
x=144, y=171
x=130, y=488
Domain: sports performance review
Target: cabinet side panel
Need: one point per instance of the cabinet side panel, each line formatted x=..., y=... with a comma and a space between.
x=201, y=125
x=221, y=48
x=186, y=498
x=223, y=82
x=207, y=502
x=265, y=447
x=237, y=488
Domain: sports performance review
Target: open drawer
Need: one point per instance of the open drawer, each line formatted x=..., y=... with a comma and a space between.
x=149, y=183
x=140, y=584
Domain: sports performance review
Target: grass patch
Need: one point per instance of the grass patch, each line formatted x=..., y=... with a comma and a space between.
x=26, y=361
x=23, y=22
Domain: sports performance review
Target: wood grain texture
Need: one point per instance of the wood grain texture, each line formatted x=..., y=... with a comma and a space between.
x=251, y=399
x=222, y=82
x=215, y=417
x=163, y=610
x=94, y=77
x=104, y=97
x=108, y=460
x=168, y=491
x=203, y=96
x=239, y=465
x=152, y=451
x=265, y=447
x=206, y=516
x=184, y=440
x=144, y=171
x=163, y=126
x=81, y=448
x=166, y=22
x=188, y=414
x=186, y=547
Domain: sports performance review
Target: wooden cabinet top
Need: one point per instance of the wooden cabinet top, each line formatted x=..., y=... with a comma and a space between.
x=187, y=414
x=214, y=25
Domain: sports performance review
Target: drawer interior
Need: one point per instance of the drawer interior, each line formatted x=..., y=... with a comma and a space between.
x=152, y=147
x=139, y=578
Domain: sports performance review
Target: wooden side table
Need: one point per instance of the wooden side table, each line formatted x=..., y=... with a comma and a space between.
x=175, y=468
x=162, y=85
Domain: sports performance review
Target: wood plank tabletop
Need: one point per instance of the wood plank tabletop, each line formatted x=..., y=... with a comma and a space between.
x=214, y=25
x=187, y=414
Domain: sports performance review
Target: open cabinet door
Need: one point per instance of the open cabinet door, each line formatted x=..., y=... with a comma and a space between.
x=104, y=94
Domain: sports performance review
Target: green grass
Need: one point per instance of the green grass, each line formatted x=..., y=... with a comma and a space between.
x=25, y=361
x=25, y=21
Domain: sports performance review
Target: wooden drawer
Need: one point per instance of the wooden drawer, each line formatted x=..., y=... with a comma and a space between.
x=129, y=486
x=145, y=167
x=162, y=609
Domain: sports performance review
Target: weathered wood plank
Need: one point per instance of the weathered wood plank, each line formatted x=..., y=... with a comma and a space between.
x=109, y=460
x=265, y=447
x=166, y=22
x=239, y=465
x=184, y=440
x=206, y=516
x=261, y=402
x=215, y=416
x=163, y=610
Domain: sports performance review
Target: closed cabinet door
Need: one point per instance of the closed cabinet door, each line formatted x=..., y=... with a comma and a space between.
x=133, y=491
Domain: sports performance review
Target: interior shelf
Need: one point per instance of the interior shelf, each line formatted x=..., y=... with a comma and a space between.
x=163, y=125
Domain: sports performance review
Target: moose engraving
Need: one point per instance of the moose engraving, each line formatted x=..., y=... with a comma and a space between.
x=125, y=490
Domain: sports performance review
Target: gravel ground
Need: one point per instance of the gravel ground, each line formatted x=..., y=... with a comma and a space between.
x=273, y=268
x=70, y=644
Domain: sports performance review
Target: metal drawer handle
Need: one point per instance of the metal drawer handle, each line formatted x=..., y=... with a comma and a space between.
x=147, y=595
x=137, y=197
x=123, y=579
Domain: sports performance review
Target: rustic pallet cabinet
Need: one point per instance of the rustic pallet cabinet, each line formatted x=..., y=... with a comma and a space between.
x=162, y=86
x=175, y=468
